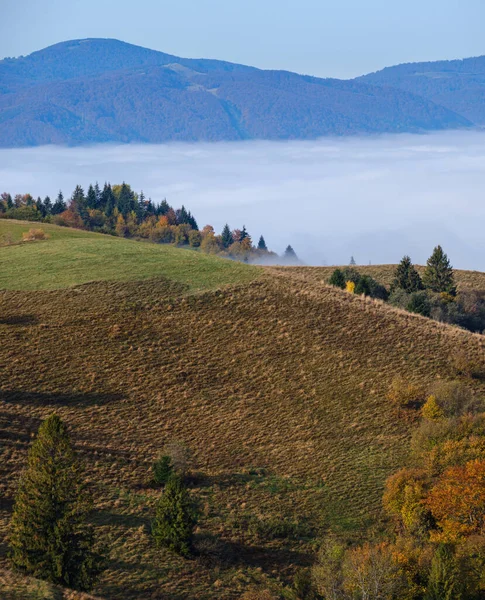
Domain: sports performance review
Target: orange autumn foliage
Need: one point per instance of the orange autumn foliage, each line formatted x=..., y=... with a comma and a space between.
x=457, y=502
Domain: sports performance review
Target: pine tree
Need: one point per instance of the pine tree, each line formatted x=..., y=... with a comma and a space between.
x=226, y=236
x=290, y=254
x=262, y=244
x=50, y=537
x=244, y=234
x=406, y=277
x=175, y=518
x=444, y=580
x=47, y=206
x=438, y=275
x=91, y=200
x=59, y=205
x=352, y=261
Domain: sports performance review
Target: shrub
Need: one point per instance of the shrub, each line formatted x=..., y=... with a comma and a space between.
x=419, y=303
x=179, y=455
x=33, y=234
x=175, y=518
x=162, y=470
x=350, y=287
x=195, y=238
x=404, y=393
x=462, y=365
x=327, y=574
x=431, y=409
x=455, y=399
x=337, y=279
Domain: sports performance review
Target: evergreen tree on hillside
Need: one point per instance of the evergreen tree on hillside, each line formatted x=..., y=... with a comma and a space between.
x=244, y=234
x=59, y=205
x=47, y=206
x=175, y=518
x=406, y=277
x=50, y=537
x=290, y=254
x=438, y=275
x=91, y=200
x=262, y=244
x=226, y=236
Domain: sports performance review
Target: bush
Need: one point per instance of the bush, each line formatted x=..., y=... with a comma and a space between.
x=337, y=279
x=179, y=455
x=455, y=399
x=419, y=303
x=404, y=393
x=162, y=470
x=431, y=409
x=34, y=234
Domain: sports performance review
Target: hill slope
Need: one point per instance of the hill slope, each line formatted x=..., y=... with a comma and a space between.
x=459, y=85
x=99, y=90
x=277, y=385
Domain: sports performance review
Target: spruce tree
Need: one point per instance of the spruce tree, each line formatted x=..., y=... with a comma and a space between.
x=406, y=277
x=337, y=279
x=91, y=200
x=59, y=205
x=444, y=578
x=226, y=236
x=50, y=537
x=290, y=254
x=438, y=275
x=352, y=261
x=175, y=518
x=262, y=244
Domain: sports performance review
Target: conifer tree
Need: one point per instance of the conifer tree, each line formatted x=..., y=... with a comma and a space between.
x=47, y=205
x=91, y=200
x=59, y=205
x=406, y=277
x=175, y=518
x=262, y=244
x=290, y=254
x=338, y=279
x=226, y=236
x=352, y=261
x=438, y=275
x=50, y=537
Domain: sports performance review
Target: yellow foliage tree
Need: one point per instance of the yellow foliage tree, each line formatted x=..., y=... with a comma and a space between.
x=431, y=409
x=350, y=287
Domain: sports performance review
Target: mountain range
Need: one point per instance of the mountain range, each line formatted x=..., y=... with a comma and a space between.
x=103, y=90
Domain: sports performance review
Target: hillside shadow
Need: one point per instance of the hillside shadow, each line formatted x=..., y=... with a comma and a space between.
x=58, y=399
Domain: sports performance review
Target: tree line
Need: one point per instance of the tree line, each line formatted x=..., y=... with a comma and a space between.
x=118, y=210
x=433, y=295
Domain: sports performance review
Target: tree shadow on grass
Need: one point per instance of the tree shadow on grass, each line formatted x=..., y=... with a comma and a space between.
x=19, y=320
x=58, y=399
x=107, y=517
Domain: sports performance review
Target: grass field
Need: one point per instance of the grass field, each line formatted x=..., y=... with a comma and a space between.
x=72, y=257
x=277, y=383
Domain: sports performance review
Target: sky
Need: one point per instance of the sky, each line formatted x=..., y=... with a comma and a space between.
x=327, y=38
x=374, y=198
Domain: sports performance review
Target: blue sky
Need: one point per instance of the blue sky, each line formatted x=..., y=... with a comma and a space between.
x=337, y=38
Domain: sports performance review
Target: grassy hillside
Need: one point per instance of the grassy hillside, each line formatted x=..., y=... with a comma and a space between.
x=71, y=257
x=384, y=274
x=277, y=384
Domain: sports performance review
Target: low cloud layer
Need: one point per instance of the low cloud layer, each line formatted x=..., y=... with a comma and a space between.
x=373, y=198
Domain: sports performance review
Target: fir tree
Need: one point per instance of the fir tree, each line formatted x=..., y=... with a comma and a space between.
x=352, y=261
x=175, y=518
x=47, y=206
x=290, y=254
x=9, y=202
x=244, y=234
x=406, y=277
x=438, y=275
x=226, y=236
x=50, y=537
x=59, y=205
x=262, y=244
x=91, y=201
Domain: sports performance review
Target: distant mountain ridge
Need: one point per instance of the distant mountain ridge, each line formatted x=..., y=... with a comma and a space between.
x=102, y=90
x=458, y=85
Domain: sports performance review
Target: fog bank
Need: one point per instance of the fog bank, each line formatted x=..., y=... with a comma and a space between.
x=374, y=198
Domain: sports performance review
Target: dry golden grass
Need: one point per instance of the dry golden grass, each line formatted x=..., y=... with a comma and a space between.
x=278, y=386
x=384, y=274
x=16, y=587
